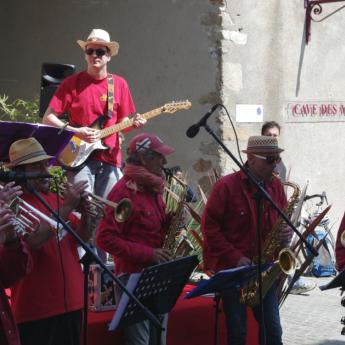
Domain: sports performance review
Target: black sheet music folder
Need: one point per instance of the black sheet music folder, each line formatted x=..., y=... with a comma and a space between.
x=157, y=287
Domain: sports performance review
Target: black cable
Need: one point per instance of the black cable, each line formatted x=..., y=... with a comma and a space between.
x=233, y=127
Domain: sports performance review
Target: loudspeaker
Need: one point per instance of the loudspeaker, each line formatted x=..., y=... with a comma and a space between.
x=52, y=75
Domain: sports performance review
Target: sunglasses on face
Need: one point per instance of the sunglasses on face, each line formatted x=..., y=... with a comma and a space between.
x=269, y=159
x=99, y=52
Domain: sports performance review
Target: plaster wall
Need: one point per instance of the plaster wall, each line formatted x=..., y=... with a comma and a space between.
x=234, y=52
x=165, y=54
x=268, y=63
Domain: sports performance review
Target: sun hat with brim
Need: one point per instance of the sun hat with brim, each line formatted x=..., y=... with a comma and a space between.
x=264, y=145
x=25, y=151
x=101, y=37
x=148, y=141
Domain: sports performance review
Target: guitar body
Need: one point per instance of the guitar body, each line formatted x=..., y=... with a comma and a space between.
x=77, y=151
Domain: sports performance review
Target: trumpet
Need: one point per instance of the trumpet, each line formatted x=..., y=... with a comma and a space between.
x=29, y=217
x=122, y=209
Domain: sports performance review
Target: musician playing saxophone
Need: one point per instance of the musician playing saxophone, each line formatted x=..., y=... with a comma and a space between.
x=47, y=303
x=340, y=246
x=137, y=242
x=229, y=224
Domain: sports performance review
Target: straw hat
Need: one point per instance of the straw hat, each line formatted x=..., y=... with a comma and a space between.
x=25, y=151
x=263, y=145
x=102, y=37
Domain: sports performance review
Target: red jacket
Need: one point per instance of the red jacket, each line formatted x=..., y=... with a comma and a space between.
x=339, y=249
x=132, y=242
x=55, y=284
x=14, y=263
x=229, y=220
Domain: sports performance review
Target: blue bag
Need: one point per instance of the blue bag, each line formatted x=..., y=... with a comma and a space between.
x=323, y=265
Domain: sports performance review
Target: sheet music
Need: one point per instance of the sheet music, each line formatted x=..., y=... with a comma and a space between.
x=131, y=284
x=225, y=279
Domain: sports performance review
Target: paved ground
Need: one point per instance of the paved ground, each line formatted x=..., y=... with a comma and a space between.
x=313, y=318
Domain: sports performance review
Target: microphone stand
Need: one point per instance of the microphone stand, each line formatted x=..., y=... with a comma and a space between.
x=260, y=195
x=91, y=254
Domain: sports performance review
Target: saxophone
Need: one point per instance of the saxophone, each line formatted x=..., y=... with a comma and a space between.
x=175, y=241
x=286, y=262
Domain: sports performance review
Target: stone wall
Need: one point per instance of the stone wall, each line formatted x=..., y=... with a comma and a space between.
x=233, y=52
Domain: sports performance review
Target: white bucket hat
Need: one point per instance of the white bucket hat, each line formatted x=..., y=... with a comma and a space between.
x=101, y=37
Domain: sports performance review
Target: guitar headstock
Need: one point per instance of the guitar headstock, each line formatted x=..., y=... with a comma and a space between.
x=175, y=106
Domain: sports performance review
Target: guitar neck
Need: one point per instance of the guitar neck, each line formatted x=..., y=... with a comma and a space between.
x=105, y=132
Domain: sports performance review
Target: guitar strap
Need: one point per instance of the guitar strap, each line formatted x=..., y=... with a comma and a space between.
x=110, y=96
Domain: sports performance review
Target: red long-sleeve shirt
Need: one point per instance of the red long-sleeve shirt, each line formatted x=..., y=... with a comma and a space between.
x=15, y=262
x=229, y=220
x=339, y=249
x=132, y=242
x=55, y=284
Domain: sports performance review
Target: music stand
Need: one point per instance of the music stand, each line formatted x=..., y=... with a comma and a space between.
x=158, y=288
x=224, y=280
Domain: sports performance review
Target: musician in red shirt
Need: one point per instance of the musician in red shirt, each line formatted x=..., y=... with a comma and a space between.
x=85, y=97
x=340, y=247
x=48, y=302
x=137, y=242
x=229, y=224
x=15, y=262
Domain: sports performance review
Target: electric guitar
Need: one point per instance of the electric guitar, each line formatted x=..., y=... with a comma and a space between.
x=77, y=151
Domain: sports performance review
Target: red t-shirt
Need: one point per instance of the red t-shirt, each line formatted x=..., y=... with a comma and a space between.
x=132, y=242
x=55, y=284
x=230, y=218
x=85, y=99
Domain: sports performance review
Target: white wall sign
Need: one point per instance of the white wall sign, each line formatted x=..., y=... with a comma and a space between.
x=249, y=113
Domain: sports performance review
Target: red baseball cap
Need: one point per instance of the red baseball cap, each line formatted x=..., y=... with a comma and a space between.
x=149, y=141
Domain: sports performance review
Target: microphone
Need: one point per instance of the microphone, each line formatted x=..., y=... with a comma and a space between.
x=193, y=130
x=8, y=176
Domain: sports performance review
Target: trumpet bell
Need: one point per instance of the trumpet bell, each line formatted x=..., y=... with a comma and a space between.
x=123, y=210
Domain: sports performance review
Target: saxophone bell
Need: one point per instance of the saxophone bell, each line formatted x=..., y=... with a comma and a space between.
x=342, y=238
x=287, y=261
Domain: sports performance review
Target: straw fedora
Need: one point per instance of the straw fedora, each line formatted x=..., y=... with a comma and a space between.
x=102, y=37
x=263, y=144
x=25, y=151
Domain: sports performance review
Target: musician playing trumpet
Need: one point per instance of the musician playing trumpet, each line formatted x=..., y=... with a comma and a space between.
x=137, y=242
x=15, y=262
x=48, y=302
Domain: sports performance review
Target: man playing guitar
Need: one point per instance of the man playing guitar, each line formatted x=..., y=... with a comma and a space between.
x=87, y=96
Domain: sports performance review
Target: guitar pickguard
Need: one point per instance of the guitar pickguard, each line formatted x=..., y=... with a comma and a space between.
x=77, y=151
